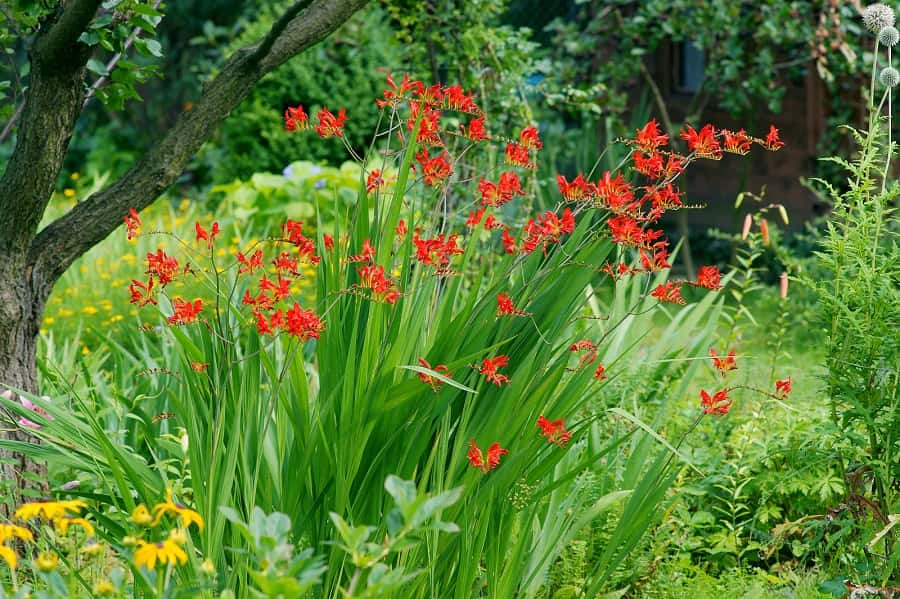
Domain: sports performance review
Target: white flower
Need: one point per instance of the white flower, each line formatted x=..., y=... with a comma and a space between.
x=878, y=16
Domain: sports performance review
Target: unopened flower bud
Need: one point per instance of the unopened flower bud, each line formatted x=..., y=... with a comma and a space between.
x=878, y=16
x=748, y=222
x=784, y=285
x=889, y=76
x=764, y=231
x=889, y=36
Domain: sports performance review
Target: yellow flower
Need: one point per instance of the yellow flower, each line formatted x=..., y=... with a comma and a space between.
x=91, y=548
x=186, y=514
x=69, y=192
x=85, y=351
x=49, y=509
x=9, y=556
x=129, y=540
x=104, y=587
x=49, y=320
x=11, y=531
x=141, y=516
x=75, y=176
x=46, y=561
x=184, y=204
x=164, y=552
x=89, y=310
x=117, y=318
x=207, y=567
x=65, y=312
x=62, y=525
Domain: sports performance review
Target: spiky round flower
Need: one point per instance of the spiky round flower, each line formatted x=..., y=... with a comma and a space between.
x=878, y=16
x=889, y=36
x=889, y=76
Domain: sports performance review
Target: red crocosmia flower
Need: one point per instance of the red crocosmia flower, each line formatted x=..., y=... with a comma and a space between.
x=496, y=195
x=295, y=118
x=374, y=181
x=280, y=290
x=618, y=271
x=329, y=124
x=367, y=254
x=475, y=218
x=703, y=143
x=600, y=373
x=529, y=138
x=204, y=235
x=262, y=324
x=509, y=244
x=132, y=224
x=261, y=302
x=723, y=365
x=674, y=166
x=492, y=223
x=372, y=277
x=488, y=462
x=285, y=264
x=293, y=232
x=249, y=265
x=718, y=404
x=625, y=230
x=401, y=229
x=429, y=124
x=576, y=191
x=649, y=138
x=651, y=166
x=434, y=170
x=772, y=141
x=436, y=251
x=162, y=266
x=431, y=96
x=517, y=155
x=613, y=192
x=669, y=292
x=456, y=98
x=395, y=94
x=656, y=257
x=736, y=143
x=489, y=368
x=141, y=293
x=476, y=131
x=783, y=388
x=590, y=352
x=428, y=379
x=554, y=430
x=709, y=277
x=185, y=312
x=505, y=306
x=329, y=241
x=302, y=324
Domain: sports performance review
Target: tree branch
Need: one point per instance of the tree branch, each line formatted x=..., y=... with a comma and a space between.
x=278, y=28
x=89, y=222
x=52, y=104
x=64, y=32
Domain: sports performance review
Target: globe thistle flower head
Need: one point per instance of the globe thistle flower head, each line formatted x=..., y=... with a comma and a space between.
x=878, y=16
x=889, y=76
x=889, y=36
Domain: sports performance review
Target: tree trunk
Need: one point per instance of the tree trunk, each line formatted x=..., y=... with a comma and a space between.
x=21, y=310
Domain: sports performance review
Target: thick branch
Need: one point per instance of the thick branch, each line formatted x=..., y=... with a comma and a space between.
x=64, y=32
x=89, y=222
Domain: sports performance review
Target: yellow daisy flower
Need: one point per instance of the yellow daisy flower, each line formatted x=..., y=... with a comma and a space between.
x=179, y=510
x=164, y=552
x=141, y=516
x=9, y=556
x=104, y=587
x=46, y=561
x=62, y=525
x=69, y=192
x=11, y=531
x=49, y=510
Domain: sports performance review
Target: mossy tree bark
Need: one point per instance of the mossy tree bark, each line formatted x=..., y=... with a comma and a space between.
x=31, y=261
